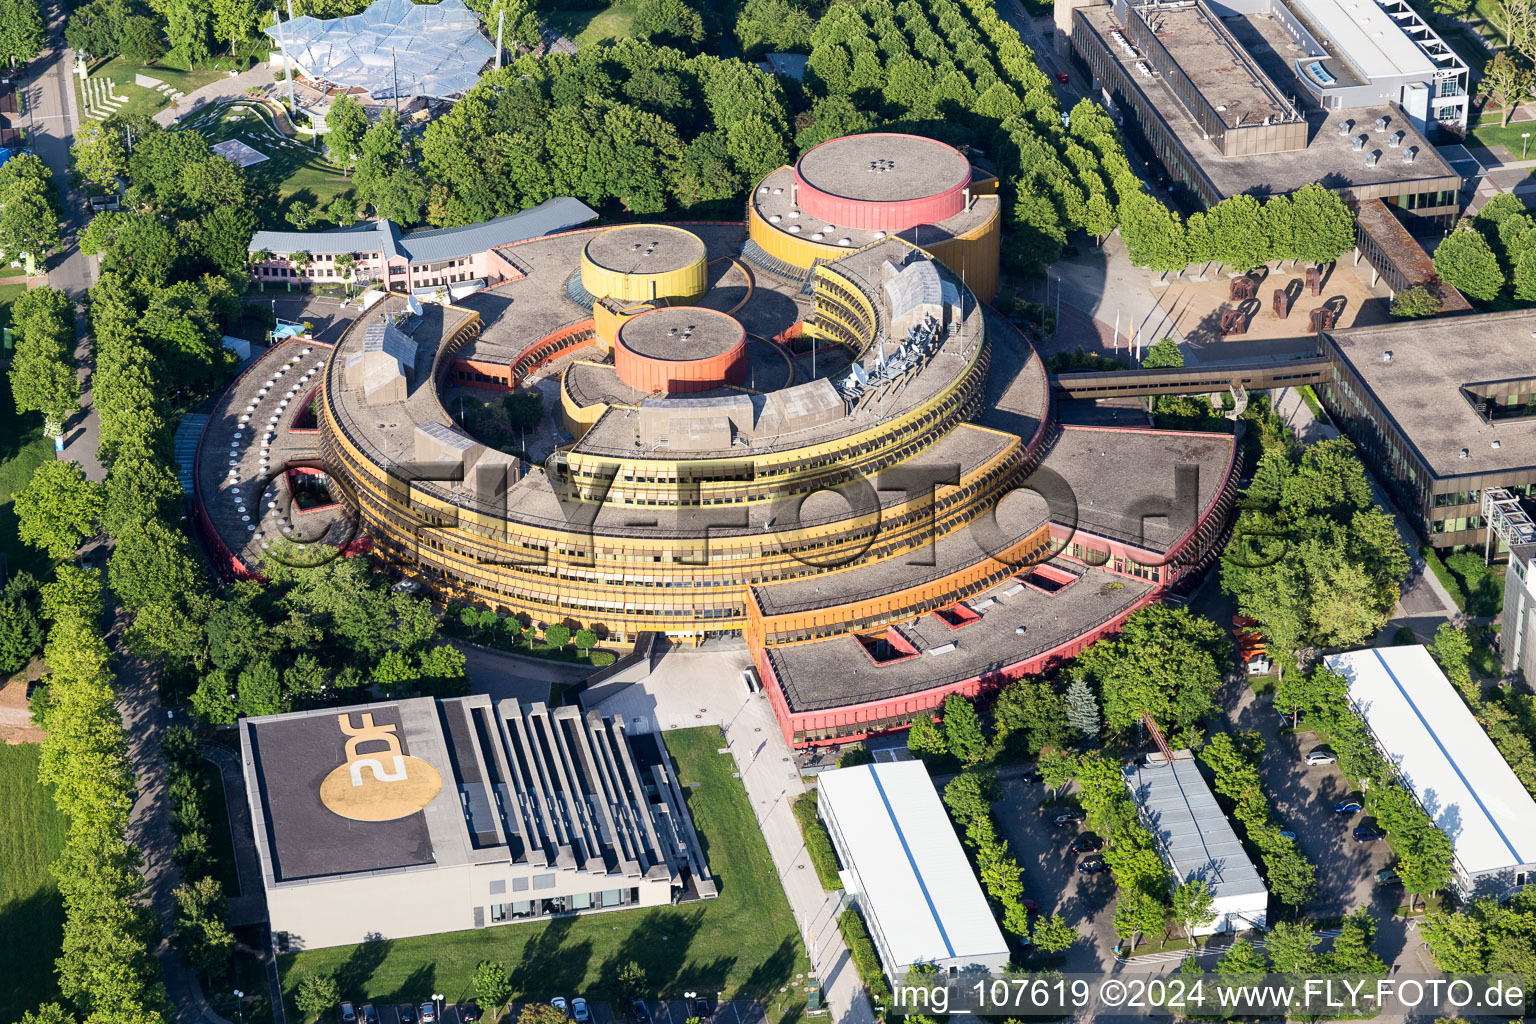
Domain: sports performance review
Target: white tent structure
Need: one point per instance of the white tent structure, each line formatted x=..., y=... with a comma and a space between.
x=1448, y=762
x=394, y=48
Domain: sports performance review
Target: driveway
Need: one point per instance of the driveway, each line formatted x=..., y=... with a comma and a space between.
x=1303, y=800
x=1051, y=878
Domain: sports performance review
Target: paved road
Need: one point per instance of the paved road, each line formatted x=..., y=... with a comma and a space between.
x=692, y=688
x=516, y=676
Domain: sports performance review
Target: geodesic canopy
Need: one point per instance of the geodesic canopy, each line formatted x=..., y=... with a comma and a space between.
x=431, y=49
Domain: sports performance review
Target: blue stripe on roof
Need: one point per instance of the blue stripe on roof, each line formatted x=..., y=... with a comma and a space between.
x=917, y=874
x=1448, y=759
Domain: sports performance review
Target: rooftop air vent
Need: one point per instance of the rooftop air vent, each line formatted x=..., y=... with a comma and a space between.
x=1464, y=454
x=1494, y=444
x=1395, y=139
x=1386, y=356
x=1381, y=124
x=1359, y=141
x=1372, y=157
x=1409, y=154
x=1345, y=127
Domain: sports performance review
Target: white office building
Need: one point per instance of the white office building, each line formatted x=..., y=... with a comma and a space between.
x=1196, y=841
x=1447, y=761
x=905, y=870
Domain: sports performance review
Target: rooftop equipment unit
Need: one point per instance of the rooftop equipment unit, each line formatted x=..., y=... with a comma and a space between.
x=1395, y=139
x=1372, y=157
x=1360, y=141
x=1409, y=154
x=1381, y=124
x=1345, y=127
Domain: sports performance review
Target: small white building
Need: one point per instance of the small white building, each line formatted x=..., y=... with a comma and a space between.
x=905, y=870
x=1196, y=841
x=1445, y=758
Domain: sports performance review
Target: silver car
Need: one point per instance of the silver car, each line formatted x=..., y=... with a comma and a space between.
x=1321, y=755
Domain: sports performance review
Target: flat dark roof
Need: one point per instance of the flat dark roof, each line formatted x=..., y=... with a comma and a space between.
x=1227, y=77
x=293, y=755
x=681, y=333
x=1419, y=388
x=645, y=249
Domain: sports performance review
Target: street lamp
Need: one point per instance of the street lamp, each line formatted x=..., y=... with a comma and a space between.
x=1525, y=140
x=437, y=1001
x=239, y=1006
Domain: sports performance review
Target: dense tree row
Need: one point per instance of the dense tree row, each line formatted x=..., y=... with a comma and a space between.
x=107, y=969
x=1314, y=559
x=43, y=373
x=969, y=797
x=1500, y=718
x=1485, y=937
x=1311, y=224
x=201, y=921
x=1234, y=761
x=22, y=30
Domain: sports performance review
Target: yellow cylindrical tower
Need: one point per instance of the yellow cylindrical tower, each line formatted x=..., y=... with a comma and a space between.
x=645, y=263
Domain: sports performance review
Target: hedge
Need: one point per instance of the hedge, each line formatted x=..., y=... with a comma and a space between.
x=862, y=949
x=818, y=844
x=1444, y=575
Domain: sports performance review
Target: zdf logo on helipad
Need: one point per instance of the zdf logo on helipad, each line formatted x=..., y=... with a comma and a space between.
x=377, y=785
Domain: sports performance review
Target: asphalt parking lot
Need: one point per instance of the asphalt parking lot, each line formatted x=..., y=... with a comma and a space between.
x=1051, y=877
x=1303, y=799
x=329, y=317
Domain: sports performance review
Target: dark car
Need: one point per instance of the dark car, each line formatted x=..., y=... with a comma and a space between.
x=1387, y=876
x=1368, y=834
x=1088, y=842
x=1091, y=865
x=1028, y=905
x=1070, y=817
x=407, y=1015
x=348, y=1014
x=469, y=1012
x=638, y=1013
x=370, y=1015
x=1349, y=805
x=701, y=1009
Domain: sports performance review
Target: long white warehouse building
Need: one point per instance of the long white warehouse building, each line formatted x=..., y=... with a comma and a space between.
x=1448, y=762
x=904, y=869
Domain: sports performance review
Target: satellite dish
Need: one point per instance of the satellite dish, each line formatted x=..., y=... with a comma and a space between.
x=413, y=304
x=860, y=374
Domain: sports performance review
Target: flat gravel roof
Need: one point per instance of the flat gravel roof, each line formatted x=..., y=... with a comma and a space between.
x=884, y=168
x=645, y=249
x=681, y=334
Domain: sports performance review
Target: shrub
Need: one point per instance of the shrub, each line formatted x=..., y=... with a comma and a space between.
x=818, y=844
x=1448, y=581
x=861, y=948
x=602, y=659
x=1415, y=302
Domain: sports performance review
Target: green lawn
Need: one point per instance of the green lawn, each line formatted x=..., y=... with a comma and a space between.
x=296, y=169
x=22, y=449
x=219, y=840
x=31, y=914
x=744, y=942
x=593, y=25
x=143, y=100
x=1488, y=132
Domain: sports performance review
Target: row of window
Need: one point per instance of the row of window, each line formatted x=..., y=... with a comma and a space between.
x=572, y=904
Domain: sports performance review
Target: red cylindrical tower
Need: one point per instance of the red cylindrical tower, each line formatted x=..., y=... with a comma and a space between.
x=681, y=349
x=882, y=181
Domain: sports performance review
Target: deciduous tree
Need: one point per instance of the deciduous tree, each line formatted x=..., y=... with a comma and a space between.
x=1464, y=260
x=58, y=509
x=1166, y=662
x=1193, y=905
x=493, y=986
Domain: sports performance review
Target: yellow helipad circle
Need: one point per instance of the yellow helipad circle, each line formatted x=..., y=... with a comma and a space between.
x=374, y=800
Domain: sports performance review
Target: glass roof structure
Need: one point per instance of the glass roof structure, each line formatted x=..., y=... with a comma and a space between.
x=432, y=50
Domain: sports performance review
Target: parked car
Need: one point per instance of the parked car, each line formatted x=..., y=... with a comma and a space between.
x=1244, y=622
x=559, y=1003
x=1368, y=834
x=1063, y=77
x=1029, y=905
x=579, y=1011
x=407, y=1015
x=1321, y=755
x=428, y=1013
x=469, y=1012
x=1387, y=876
x=1349, y=805
x=701, y=1009
x=1288, y=834
x=1087, y=842
x=1070, y=817
x=638, y=1013
x=370, y=1015
x=1091, y=865
x=348, y=1014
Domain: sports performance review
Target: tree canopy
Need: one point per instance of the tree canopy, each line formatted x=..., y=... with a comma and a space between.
x=1166, y=662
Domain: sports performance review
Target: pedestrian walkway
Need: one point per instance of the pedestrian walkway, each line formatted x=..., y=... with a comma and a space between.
x=1180, y=955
